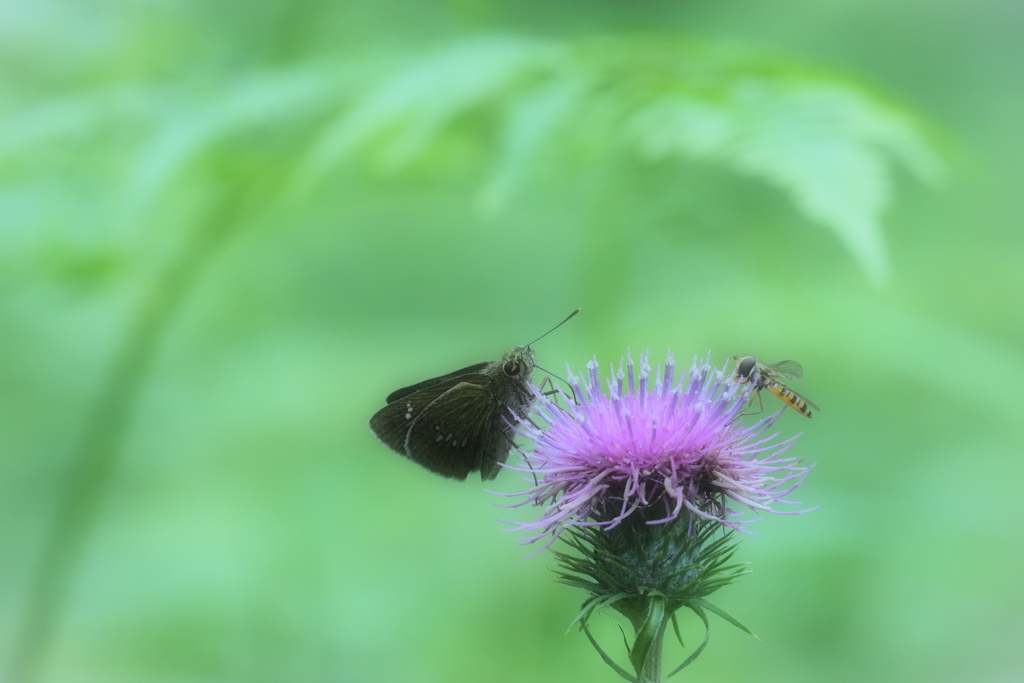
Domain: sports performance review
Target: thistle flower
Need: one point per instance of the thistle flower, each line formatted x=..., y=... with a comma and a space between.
x=649, y=480
x=655, y=449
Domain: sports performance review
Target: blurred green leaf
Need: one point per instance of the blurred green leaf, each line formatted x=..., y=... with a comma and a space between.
x=828, y=144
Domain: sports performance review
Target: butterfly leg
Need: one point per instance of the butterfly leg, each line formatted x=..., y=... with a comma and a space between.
x=552, y=391
x=513, y=446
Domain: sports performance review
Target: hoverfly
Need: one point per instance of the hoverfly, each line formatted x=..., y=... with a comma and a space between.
x=748, y=369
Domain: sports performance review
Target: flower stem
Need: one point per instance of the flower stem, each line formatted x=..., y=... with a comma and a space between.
x=649, y=625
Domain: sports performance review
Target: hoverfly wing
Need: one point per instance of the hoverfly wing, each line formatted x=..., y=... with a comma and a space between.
x=787, y=368
x=397, y=394
x=456, y=433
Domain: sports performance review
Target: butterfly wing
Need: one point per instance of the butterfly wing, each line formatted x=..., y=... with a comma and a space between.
x=391, y=423
x=458, y=433
x=444, y=380
x=449, y=425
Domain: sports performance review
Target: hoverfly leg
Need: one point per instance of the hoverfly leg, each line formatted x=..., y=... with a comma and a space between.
x=760, y=404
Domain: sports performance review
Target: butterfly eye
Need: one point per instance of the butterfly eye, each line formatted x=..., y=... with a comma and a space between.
x=511, y=368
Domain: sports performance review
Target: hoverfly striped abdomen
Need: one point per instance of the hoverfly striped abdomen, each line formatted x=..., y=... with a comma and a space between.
x=789, y=397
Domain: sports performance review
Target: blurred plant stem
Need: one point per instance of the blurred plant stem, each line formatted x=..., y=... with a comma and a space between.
x=92, y=467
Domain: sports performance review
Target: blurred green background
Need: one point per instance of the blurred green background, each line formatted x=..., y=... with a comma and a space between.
x=228, y=230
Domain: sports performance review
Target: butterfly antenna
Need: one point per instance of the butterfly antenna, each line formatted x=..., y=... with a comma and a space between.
x=569, y=317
